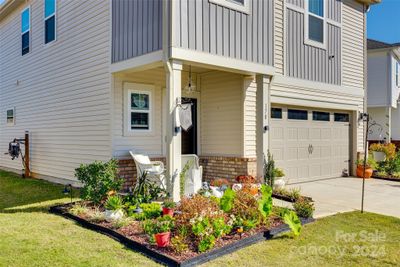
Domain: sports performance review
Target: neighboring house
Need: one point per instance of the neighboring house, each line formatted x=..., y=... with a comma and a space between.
x=94, y=79
x=384, y=91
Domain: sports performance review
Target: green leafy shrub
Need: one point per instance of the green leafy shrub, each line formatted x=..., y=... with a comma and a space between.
x=226, y=201
x=291, y=219
x=304, y=208
x=245, y=211
x=160, y=225
x=265, y=202
x=114, y=203
x=98, y=179
x=269, y=170
x=149, y=211
x=178, y=244
x=392, y=165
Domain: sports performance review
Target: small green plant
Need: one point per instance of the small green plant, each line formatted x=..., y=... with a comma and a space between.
x=294, y=193
x=145, y=191
x=226, y=201
x=78, y=209
x=279, y=172
x=160, y=225
x=149, y=211
x=304, y=208
x=291, y=219
x=371, y=163
x=114, y=203
x=169, y=204
x=96, y=215
x=265, y=202
x=179, y=244
x=269, y=170
x=116, y=224
x=206, y=243
x=98, y=179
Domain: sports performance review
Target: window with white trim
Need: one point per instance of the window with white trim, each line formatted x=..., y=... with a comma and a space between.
x=315, y=23
x=139, y=108
x=397, y=74
x=10, y=116
x=50, y=7
x=239, y=5
x=25, y=30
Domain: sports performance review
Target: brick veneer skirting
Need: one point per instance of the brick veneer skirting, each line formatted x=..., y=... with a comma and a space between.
x=213, y=167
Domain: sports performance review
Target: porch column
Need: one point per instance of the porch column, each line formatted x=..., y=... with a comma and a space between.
x=262, y=121
x=173, y=142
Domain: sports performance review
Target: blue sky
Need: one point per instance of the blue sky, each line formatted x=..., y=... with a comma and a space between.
x=383, y=21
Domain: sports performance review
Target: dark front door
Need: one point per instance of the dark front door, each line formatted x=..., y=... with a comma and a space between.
x=189, y=137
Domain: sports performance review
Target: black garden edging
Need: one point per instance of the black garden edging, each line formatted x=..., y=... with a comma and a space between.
x=289, y=199
x=166, y=260
x=387, y=178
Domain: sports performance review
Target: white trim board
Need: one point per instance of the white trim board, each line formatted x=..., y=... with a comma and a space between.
x=220, y=62
x=143, y=62
x=317, y=86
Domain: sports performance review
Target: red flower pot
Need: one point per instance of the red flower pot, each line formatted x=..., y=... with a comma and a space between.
x=168, y=211
x=162, y=239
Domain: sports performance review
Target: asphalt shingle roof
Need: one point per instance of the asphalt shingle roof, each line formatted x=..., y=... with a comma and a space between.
x=374, y=44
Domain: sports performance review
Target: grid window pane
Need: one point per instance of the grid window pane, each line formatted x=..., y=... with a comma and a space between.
x=296, y=114
x=140, y=101
x=316, y=7
x=25, y=21
x=342, y=117
x=50, y=29
x=276, y=113
x=139, y=121
x=320, y=116
x=25, y=43
x=49, y=7
x=316, y=29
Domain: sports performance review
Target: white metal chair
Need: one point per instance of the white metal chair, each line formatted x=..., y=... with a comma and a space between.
x=194, y=175
x=155, y=169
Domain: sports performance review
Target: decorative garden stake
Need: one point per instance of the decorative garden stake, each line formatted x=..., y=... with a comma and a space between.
x=68, y=190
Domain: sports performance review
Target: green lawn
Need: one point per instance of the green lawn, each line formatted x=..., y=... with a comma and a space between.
x=29, y=236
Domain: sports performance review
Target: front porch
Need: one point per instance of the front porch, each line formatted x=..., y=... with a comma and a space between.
x=224, y=118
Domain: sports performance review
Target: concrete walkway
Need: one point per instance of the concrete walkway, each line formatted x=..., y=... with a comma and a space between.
x=344, y=194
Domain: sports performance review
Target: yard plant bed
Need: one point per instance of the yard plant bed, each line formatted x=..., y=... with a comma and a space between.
x=133, y=238
x=289, y=198
x=387, y=178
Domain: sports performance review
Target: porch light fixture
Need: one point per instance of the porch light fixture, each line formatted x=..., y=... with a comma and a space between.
x=190, y=87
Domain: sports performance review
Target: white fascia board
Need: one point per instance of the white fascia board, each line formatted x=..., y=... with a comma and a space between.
x=220, y=62
x=143, y=62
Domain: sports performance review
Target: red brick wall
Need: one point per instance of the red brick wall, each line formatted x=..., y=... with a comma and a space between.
x=213, y=168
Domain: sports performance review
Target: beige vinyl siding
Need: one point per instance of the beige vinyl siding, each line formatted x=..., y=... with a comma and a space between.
x=150, y=144
x=61, y=91
x=278, y=36
x=249, y=115
x=353, y=44
x=221, y=114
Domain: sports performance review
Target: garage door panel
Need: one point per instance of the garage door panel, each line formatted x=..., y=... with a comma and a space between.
x=310, y=150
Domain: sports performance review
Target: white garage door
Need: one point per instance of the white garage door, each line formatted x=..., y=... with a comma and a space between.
x=310, y=144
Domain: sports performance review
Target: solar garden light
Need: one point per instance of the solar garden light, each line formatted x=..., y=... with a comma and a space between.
x=68, y=190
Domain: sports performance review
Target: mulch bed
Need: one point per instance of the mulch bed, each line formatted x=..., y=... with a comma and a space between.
x=133, y=237
x=289, y=199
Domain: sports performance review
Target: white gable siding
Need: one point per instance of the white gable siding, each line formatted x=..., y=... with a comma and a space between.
x=61, y=91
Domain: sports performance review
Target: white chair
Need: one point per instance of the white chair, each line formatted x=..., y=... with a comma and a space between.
x=154, y=169
x=194, y=175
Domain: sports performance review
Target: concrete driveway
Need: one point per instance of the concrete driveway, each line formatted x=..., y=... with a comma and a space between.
x=344, y=194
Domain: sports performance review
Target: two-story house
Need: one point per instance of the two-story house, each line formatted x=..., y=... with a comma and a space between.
x=384, y=91
x=93, y=80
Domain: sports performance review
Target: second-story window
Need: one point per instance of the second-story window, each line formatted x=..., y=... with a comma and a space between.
x=49, y=20
x=238, y=5
x=25, y=30
x=315, y=24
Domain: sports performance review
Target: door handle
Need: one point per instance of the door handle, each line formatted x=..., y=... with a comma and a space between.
x=312, y=149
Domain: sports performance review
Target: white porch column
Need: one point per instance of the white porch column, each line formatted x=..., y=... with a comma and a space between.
x=262, y=121
x=173, y=142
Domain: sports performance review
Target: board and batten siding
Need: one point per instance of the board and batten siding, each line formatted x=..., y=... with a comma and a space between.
x=353, y=43
x=61, y=91
x=207, y=27
x=136, y=28
x=308, y=62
